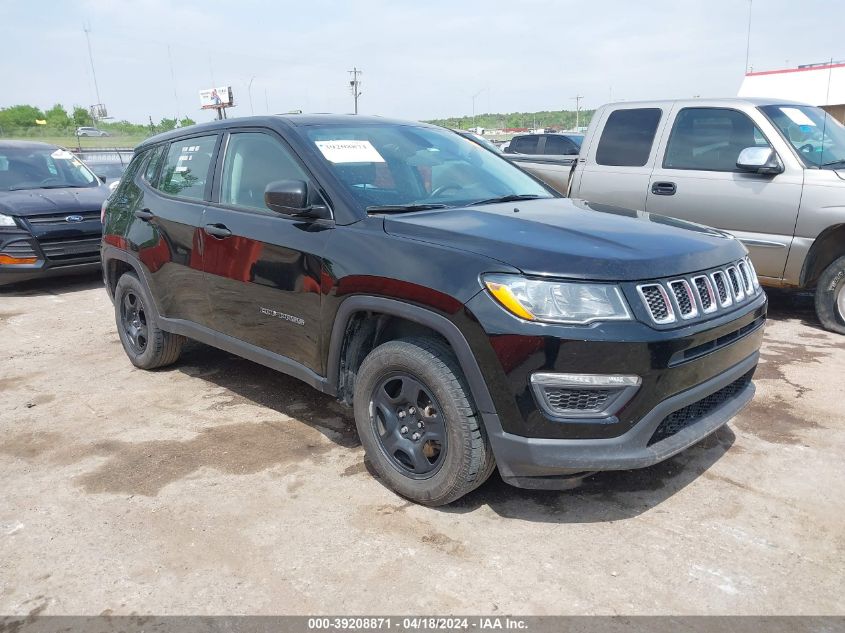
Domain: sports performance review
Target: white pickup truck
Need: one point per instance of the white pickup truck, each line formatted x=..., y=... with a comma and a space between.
x=772, y=173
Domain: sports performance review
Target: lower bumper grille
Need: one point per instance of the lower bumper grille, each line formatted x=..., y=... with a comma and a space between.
x=692, y=413
x=71, y=249
x=20, y=250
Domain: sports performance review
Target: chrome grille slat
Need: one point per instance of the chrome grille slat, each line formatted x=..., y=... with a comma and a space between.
x=657, y=302
x=706, y=296
x=59, y=218
x=684, y=298
x=721, y=282
x=689, y=297
x=736, y=284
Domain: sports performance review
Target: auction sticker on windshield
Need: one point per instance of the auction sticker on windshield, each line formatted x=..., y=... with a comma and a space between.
x=351, y=151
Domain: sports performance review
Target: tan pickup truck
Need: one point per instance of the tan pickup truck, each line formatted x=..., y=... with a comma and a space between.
x=772, y=173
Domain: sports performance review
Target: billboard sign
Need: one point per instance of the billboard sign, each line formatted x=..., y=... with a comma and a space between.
x=216, y=98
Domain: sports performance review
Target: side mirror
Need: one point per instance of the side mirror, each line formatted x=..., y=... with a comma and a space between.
x=290, y=197
x=102, y=178
x=759, y=160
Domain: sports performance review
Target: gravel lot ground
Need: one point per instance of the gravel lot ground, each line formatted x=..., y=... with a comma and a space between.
x=219, y=487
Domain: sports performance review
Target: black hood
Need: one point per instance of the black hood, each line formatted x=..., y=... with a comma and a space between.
x=573, y=238
x=27, y=202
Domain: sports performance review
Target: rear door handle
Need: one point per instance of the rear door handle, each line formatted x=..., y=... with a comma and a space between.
x=144, y=214
x=664, y=188
x=217, y=230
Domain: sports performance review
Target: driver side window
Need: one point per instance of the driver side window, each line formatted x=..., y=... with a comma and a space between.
x=254, y=160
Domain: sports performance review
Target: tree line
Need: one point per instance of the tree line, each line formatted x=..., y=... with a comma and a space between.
x=24, y=120
x=562, y=119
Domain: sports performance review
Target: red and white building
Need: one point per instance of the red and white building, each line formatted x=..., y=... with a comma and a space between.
x=817, y=84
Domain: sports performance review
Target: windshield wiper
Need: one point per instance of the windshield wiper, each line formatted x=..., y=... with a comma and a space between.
x=403, y=208
x=22, y=187
x=834, y=162
x=513, y=197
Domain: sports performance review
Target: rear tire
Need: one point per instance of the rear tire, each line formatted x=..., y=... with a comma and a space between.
x=830, y=297
x=443, y=452
x=146, y=345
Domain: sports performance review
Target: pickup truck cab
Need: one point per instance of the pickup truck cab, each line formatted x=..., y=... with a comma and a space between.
x=772, y=173
x=549, y=156
x=472, y=317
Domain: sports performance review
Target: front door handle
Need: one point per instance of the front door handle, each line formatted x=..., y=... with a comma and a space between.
x=664, y=188
x=144, y=214
x=217, y=230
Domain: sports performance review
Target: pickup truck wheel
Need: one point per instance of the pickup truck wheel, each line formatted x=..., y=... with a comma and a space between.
x=417, y=424
x=146, y=345
x=830, y=297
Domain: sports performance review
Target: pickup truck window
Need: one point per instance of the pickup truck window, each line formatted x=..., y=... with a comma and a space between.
x=560, y=146
x=627, y=137
x=524, y=144
x=818, y=137
x=404, y=165
x=710, y=139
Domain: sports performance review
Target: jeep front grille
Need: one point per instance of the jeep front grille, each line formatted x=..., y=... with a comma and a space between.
x=688, y=297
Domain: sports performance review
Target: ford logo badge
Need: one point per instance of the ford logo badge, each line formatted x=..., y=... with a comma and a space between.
x=74, y=218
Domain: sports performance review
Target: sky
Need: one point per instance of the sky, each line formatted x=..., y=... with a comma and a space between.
x=420, y=59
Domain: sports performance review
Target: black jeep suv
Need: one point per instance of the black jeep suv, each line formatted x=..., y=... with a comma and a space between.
x=471, y=316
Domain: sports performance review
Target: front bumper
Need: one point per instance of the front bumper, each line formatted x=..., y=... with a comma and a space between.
x=549, y=463
x=54, y=255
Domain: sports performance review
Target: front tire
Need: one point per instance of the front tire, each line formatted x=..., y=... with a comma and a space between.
x=417, y=424
x=830, y=297
x=146, y=345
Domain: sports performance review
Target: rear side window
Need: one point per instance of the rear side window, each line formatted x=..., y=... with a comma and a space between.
x=524, y=144
x=627, y=137
x=710, y=139
x=560, y=146
x=186, y=167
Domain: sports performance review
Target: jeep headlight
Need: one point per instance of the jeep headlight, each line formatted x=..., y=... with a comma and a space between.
x=558, y=301
x=6, y=220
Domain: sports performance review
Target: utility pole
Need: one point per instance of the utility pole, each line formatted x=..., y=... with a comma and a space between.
x=354, y=84
x=87, y=30
x=577, y=111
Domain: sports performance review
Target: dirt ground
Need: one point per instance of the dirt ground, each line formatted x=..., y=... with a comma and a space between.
x=219, y=487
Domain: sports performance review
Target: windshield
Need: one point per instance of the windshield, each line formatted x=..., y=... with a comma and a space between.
x=404, y=165
x=42, y=168
x=818, y=137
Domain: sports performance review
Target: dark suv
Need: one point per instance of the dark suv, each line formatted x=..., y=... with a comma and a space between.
x=50, y=205
x=471, y=316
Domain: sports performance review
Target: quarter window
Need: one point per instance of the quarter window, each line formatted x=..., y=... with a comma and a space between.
x=627, y=137
x=153, y=164
x=710, y=139
x=186, y=167
x=254, y=160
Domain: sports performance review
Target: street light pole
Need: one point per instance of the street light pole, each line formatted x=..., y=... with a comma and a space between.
x=473, y=108
x=249, y=90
